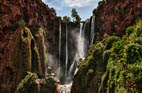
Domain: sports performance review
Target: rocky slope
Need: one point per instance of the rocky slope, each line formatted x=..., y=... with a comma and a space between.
x=24, y=25
x=113, y=65
x=114, y=16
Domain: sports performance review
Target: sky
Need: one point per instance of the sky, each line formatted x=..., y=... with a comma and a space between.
x=64, y=7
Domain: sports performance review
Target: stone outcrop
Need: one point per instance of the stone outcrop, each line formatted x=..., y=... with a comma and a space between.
x=114, y=16
x=31, y=83
x=111, y=65
x=17, y=53
x=21, y=40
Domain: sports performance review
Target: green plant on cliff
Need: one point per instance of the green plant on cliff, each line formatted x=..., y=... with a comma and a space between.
x=124, y=66
x=32, y=84
x=110, y=40
x=87, y=68
x=27, y=79
x=122, y=61
x=66, y=19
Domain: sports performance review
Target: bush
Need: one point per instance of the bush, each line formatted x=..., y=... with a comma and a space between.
x=110, y=40
x=129, y=30
x=106, y=55
x=133, y=53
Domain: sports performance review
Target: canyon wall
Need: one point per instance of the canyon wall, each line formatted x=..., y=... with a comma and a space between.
x=110, y=65
x=114, y=16
x=24, y=27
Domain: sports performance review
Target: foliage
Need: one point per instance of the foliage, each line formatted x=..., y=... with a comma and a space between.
x=129, y=30
x=32, y=84
x=66, y=19
x=110, y=40
x=75, y=15
x=27, y=79
x=54, y=11
x=122, y=59
x=124, y=66
x=94, y=11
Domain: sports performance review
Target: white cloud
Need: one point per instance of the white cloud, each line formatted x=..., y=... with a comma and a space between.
x=78, y=3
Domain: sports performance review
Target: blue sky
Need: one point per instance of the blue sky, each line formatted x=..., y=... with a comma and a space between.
x=64, y=7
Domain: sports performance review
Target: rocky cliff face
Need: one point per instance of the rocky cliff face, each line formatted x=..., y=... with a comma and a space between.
x=21, y=39
x=110, y=66
x=113, y=16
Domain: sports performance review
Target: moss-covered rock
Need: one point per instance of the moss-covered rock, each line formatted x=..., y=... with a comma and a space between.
x=110, y=40
x=85, y=79
x=117, y=62
x=32, y=84
x=123, y=72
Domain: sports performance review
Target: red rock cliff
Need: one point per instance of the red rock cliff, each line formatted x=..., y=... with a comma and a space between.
x=20, y=21
x=114, y=16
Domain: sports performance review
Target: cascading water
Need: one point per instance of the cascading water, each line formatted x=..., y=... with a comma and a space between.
x=80, y=43
x=66, y=68
x=60, y=41
x=80, y=54
x=60, y=37
x=92, y=34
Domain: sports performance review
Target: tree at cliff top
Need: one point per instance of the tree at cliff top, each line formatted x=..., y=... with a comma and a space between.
x=54, y=11
x=66, y=19
x=75, y=16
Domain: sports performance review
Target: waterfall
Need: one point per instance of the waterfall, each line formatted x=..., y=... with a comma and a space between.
x=60, y=42
x=60, y=37
x=80, y=43
x=92, y=34
x=66, y=49
x=80, y=54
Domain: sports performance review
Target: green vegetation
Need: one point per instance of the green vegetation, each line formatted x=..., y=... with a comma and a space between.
x=66, y=19
x=28, y=79
x=32, y=84
x=87, y=68
x=118, y=59
x=54, y=11
x=75, y=16
x=110, y=40
x=124, y=66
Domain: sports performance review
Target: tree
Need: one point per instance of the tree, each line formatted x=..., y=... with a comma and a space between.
x=66, y=19
x=95, y=11
x=75, y=16
x=53, y=10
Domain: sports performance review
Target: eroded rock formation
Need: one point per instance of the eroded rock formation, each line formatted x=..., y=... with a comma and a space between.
x=110, y=66
x=21, y=40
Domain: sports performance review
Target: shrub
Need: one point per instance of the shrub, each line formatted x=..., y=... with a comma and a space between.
x=110, y=40
x=133, y=53
x=129, y=30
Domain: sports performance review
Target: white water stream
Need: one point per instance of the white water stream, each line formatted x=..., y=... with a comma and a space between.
x=92, y=34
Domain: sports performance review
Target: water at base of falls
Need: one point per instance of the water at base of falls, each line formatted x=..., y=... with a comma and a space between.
x=64, y=88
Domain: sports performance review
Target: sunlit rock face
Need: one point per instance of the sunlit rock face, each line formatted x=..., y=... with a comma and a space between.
x=104, y=70
x=21, y=40
x=113, y=16
x=17, y=52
